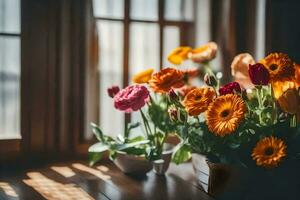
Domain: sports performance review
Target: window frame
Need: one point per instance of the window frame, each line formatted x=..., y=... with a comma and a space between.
x=186, y=30
x=11, y=147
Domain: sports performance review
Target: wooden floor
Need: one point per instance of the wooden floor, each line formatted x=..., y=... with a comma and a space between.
x=76, y=180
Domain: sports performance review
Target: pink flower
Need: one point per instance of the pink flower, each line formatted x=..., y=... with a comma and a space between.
x=131, y=98
x=230, y=88
x=239, y=69
x=112, y=91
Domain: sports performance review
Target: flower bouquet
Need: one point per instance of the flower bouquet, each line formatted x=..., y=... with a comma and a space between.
x=139, y=154
x=249, y=125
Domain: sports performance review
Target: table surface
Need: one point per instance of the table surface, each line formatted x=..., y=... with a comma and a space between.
x=76, y=180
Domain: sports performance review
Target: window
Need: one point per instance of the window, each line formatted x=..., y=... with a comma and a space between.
x=10, y=69
x=135, y=35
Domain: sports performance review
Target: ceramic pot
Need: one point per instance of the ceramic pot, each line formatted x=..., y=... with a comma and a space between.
x=214, y=178
x=132, y=164
x=161, y=166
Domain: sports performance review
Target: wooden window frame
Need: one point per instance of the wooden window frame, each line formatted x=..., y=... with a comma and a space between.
x=187, y=37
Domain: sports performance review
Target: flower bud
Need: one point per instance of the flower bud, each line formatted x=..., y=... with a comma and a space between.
x=258, y=74
x=112, y=91
x=173, y=113
x=230, y=88
x=172, y=95
x=210, y=80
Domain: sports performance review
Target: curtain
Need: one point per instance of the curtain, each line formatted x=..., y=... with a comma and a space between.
x=59, y=76
x=235, y=27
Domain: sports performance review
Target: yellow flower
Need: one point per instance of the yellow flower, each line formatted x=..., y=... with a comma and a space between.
x=280, y=67
x=279, y=87
x=197, y=100
x=289, y=101
x=204, y=53
x=225, y=113
x=269, y=151
x=239, y=69
x=179, y=54
x=143, y=76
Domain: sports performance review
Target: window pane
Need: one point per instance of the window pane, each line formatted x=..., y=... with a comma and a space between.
x=144, y=9
x=109, y=8
x=9, y=87
x=171, y=41
x=10, y=16
x=179, y=10
x=111, y=73
x=144, y=53
x=144, y=47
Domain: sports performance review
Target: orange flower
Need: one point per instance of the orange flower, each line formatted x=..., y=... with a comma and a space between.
x=166, y=79
x=197, y=100
x=204, y=53
x=191, y=73
x=297, y=74
x=269, y=152
x=225, y=113
x=280, y=67
x=239, y=69
x=289, y=101
x=185, y=89
x=279, y=87
x=143, y=76
x=179, y=54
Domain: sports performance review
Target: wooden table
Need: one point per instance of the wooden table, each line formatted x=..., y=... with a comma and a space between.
x=76, y=180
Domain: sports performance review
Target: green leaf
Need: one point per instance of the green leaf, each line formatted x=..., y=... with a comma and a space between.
x=97, y=132
x=133, y=125
x=135, y=151
x=94, y=157
x=136, y=139
x=98, y=147
x=120, y=138
x=234, y=145
x=120, y=147
x=182, y=154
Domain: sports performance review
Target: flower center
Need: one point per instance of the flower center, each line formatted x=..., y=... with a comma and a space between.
x=225, y=113
x=273, y=67
x=269, y=151
x=198, y=97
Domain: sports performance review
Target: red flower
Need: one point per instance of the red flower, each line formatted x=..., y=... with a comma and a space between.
x=230, y=88
x=259, y=74
x=112, y=91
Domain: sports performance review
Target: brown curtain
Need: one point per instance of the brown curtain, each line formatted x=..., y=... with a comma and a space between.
x=59, y=76
x=233, y=28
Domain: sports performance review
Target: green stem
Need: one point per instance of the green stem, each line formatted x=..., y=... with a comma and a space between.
x=274, y=114
x=145, y=123
x=258, y=93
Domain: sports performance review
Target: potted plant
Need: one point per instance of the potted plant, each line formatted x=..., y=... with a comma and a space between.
x=247, y=128
x=138, y=154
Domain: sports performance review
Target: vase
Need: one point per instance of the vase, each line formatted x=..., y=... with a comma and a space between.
x=161, y=166
x=214, y=178
x=132, y=164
